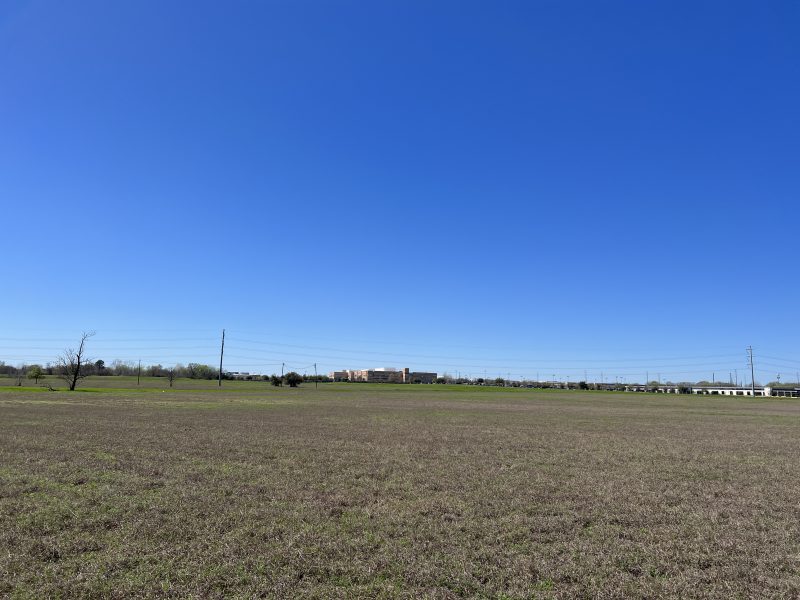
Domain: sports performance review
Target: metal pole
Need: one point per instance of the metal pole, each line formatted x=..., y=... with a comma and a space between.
x=221, y=351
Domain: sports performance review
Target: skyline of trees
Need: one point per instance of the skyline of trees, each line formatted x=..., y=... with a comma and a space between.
x=192, y=370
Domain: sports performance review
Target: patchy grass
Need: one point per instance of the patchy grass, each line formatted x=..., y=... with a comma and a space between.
x=396, y=491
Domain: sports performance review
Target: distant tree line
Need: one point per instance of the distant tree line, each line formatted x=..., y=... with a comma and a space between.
x=72, y=373
x=72, y=365
x=192, y=370
x=202, y=371
x=117, y=367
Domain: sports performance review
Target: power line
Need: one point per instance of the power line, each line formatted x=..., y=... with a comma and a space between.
x=788, y=360
x=557, y=361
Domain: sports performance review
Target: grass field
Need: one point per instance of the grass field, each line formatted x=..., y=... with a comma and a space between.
x=395, y=491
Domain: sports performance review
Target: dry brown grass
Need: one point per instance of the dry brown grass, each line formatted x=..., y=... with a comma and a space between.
x=415, y=491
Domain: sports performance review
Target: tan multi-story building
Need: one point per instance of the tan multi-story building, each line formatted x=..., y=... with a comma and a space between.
x=383, y=375
x=418, y=377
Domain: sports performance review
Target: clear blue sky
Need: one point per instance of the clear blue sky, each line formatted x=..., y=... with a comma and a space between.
x=505, y=187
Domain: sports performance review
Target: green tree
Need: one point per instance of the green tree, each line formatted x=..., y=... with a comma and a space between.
x=198, y=371
x=293, y=379
x=276, y=381
x=35, y=372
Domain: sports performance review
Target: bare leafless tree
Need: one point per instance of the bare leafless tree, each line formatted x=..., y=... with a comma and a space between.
x=70, y=365
x=21, y=372
x=171, y=375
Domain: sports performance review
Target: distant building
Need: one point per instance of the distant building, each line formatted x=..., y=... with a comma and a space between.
x=236, y=374
x=727, y=390
x=783, y=391
x=717, y=390
x=339, y=375
x=383, y=375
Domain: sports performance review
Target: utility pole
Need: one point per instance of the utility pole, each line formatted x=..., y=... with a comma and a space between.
x=282, y=366
x=316, y=380
x=139, y=372
x=752, y=371
x=221, y=352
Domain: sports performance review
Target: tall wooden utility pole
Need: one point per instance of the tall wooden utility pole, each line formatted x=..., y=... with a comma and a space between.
x=752, y=371
x=139, y=372
x=316, y=379
x=221, y=352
